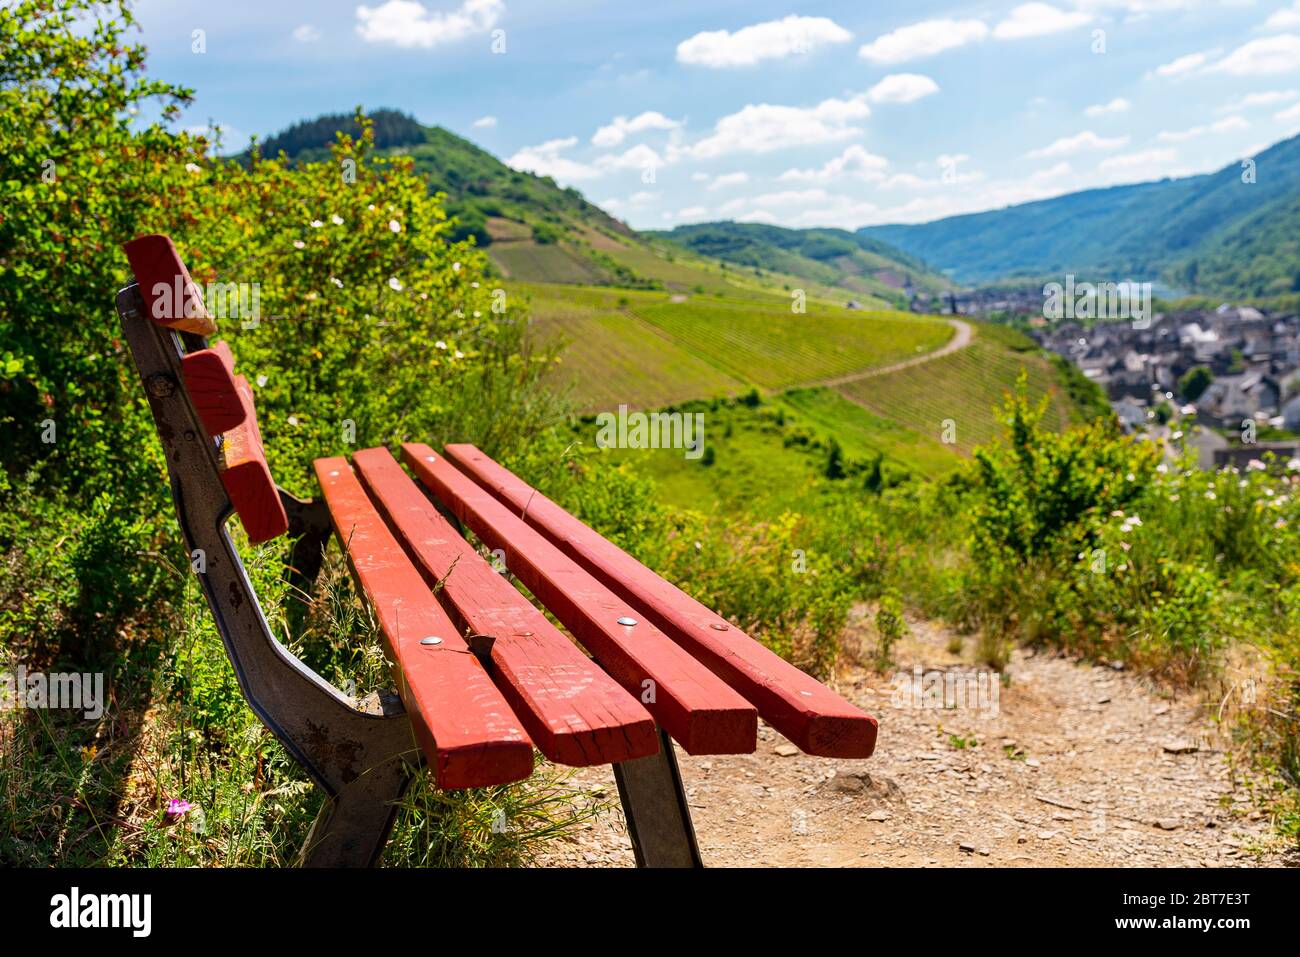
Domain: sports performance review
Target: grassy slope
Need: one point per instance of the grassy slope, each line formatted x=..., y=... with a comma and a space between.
x=758, y=470
x=966, y=386
x=643, y=349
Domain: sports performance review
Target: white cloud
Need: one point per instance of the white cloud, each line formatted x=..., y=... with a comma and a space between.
x=406, y=23
x=855, y=160
x=1143, y=159
x=1038, y=19
x=485, y=122
x=693, y=212
x=1287, y=18
x=639, y=157
x=1229, y=124
x=1182, y=66
x=1117, y=105
x=764, y=127
x=306, y=33
x=902, y=88
x=545, y=160
x=699, y=177
x=772, y=40
x=1087, y=140
x=729, y=179
x=923, y=39
x=1262, y=98
x=1262, y=57
x=1289, y=115
x=617, y=130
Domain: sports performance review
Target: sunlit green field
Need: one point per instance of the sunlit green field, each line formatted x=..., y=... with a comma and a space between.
x=965, y=387
x=645, y=350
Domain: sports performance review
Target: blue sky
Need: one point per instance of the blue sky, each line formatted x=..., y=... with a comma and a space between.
x=834, y=114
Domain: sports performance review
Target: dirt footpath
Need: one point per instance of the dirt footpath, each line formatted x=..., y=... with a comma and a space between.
x=1076, y=765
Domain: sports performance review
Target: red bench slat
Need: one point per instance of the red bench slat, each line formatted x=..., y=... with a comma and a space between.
x=690, y=703
x=467, y=730
x=170, y=296
x=803, y=709
x=574, y=712
x=209, y=376
x=246, y=476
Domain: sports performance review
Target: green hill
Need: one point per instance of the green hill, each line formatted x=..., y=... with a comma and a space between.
x=1213, y=233
x=830, y=257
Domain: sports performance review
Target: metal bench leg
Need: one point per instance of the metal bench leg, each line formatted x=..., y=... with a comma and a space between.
x=654, y=804
x=353, y=825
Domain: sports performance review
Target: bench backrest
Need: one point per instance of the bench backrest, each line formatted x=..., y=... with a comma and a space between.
x=222, y=399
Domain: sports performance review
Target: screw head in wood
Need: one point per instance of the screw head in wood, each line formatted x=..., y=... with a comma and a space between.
x=627, y=621
x=431, y=640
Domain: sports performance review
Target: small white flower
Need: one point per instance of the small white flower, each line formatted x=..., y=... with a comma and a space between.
x=1130, y=477
x=336, y=219
x=1117, y=514
x=1162, y=468
x=395, y=284
x=337, y=281
x=193, y=168
x=1255, y=465
x=293, y=420
x=299, y=244
x=455, y=267
x=1177, y=435
x=394, y=225
x=459, y=354
x=440, y=344
x=473, y=285
x=1293, y=465
x=1210, y=495
x=371, y=207
x=261, y=381
x=477, y=314
x=316, y=224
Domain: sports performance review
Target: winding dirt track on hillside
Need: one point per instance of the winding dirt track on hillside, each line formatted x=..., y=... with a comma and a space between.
x=963, y=334
x=1077, y=765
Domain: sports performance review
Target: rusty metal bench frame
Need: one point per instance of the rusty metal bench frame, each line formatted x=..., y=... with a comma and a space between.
x=361, y=752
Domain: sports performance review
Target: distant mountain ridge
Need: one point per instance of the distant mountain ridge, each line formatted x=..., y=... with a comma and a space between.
x=833, y=257
x=1235, y=231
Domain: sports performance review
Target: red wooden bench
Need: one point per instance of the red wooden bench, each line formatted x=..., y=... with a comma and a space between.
x=482, y=675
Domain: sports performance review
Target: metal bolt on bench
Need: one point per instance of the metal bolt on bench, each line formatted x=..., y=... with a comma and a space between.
x=482, y=675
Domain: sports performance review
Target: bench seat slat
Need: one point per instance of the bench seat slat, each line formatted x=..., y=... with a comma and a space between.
x=575, y=713
x=689, y=702
x=247, y=477
x=209, y=376
x=467, y=730
x=812, y=716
